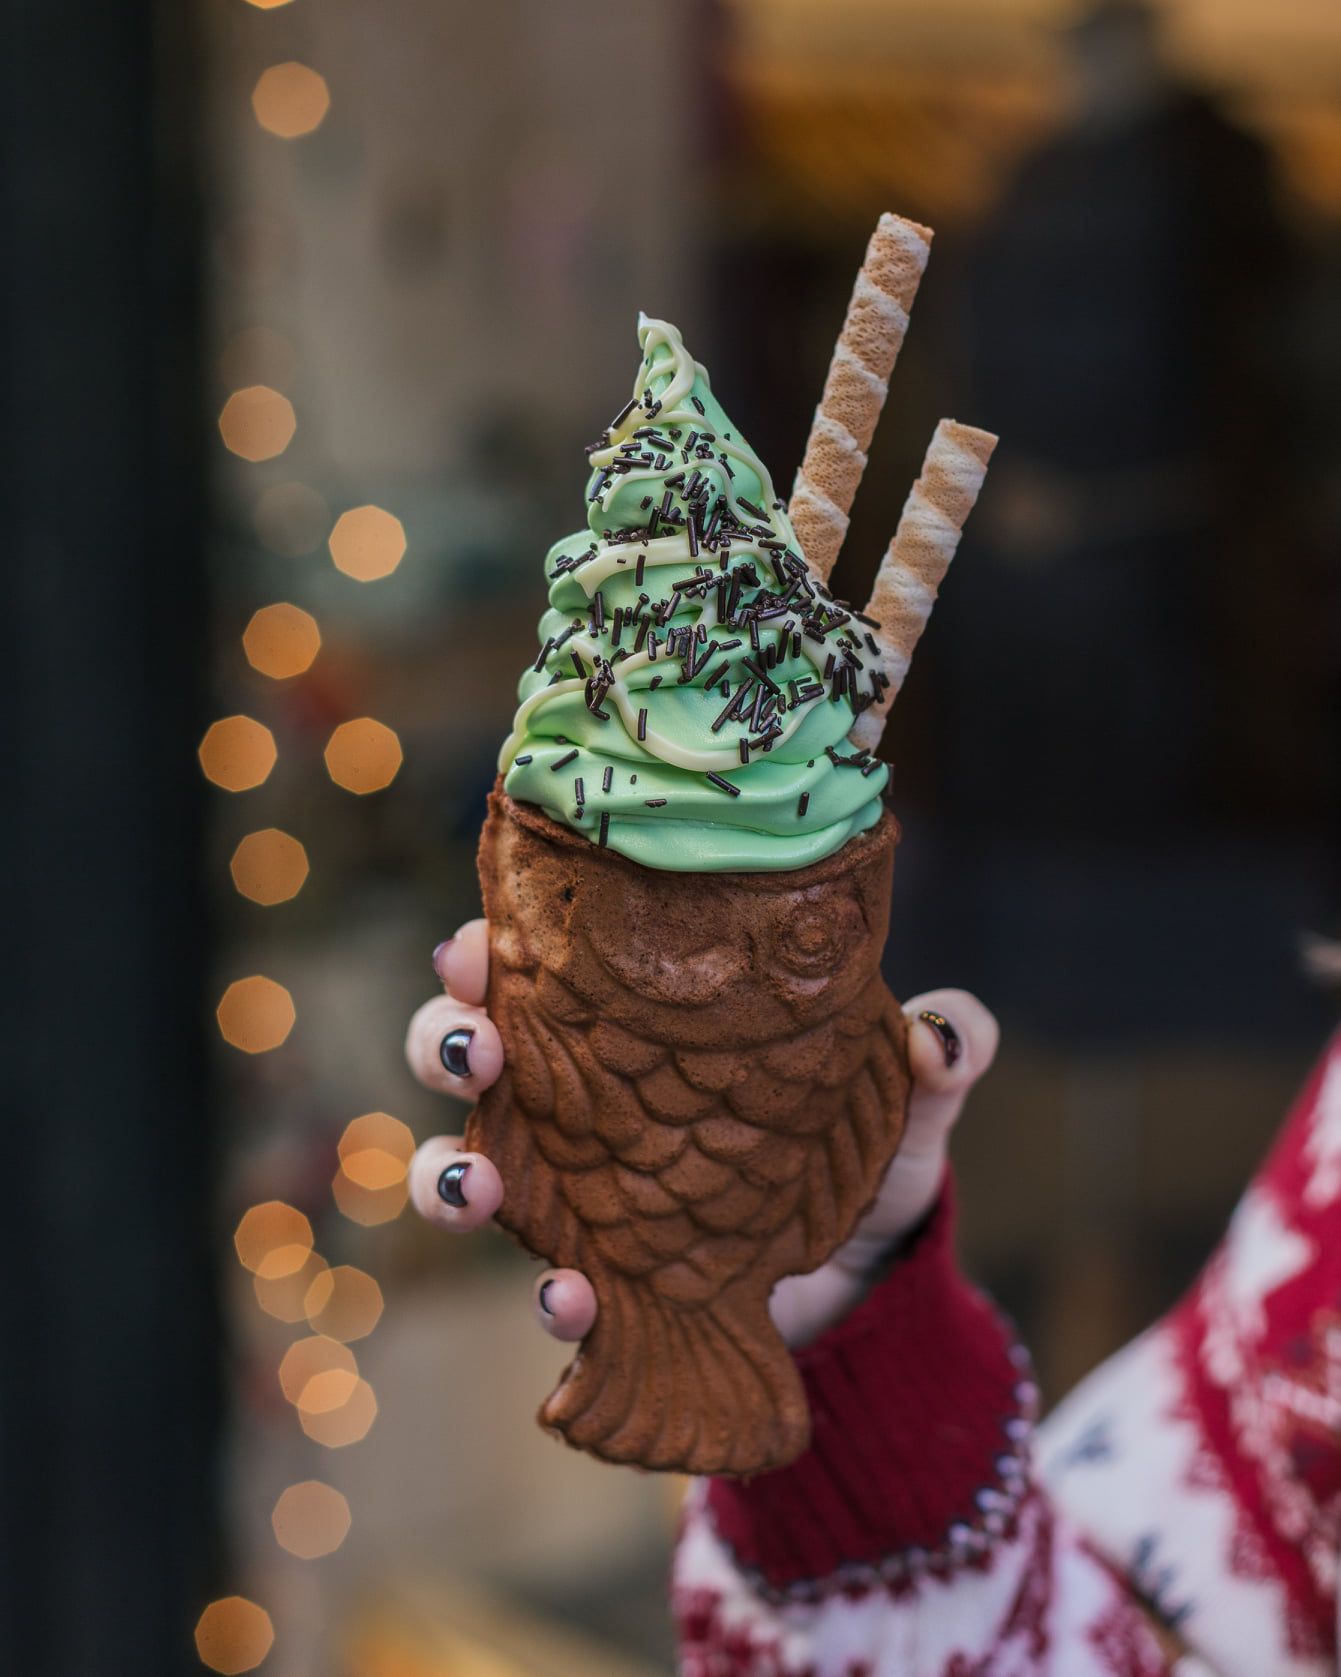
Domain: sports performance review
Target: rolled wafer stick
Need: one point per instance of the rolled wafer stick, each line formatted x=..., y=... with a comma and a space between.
x=856, y=387
x=917, y=559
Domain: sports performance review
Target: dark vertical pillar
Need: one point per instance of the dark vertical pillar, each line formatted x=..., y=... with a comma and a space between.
x=108, y=1351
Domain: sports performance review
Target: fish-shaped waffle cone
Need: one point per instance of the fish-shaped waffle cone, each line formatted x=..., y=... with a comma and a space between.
x=706, y=1079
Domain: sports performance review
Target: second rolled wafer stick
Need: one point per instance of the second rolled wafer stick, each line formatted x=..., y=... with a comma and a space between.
x=856, y=387
x=919, y=556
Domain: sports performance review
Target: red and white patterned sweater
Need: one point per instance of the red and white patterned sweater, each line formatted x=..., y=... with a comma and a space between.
x=927, y=1533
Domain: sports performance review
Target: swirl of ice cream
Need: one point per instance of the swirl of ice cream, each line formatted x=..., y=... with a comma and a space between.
x=695, y=684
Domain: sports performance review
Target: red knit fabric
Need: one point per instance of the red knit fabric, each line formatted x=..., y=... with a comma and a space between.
x=920, y=1402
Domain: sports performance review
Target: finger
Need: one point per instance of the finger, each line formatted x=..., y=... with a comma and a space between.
x=952, y=1040
x=462, y=963
x=565, y=1304
x=453, y=1048
x=455, y=1190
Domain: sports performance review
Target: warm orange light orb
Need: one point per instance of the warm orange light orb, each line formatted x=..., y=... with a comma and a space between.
x=273, y=1239
x=269, y=867
x=306, y=1358
x=284, y=1296
x=311, y=1520
x=237, y=753
x=344, y=1303
x=375, y=1152
x=290, y=100
x=336, y=1409
x=255, y=1014
x=257, y=423
x=367, y=543
x=233, y=1635
x=366, y=1205
x=363, y=755
x=281, y=641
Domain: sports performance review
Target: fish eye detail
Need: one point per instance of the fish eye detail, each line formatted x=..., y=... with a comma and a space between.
x=813, y=940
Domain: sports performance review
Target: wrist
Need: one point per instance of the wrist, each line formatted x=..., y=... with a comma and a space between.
x=921, y=1410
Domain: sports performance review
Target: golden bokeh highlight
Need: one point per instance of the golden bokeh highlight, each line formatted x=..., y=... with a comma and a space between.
x=285, y=1296
x=237, y=753
x=290, y=100
x=370, y=1186
x=363, y=756
x=336, y=1409
x=307, y=1358
x=368, y=1206
x=269, y=867
x=255, y=1014
x=233, y=1635
x=281, y=641
x=311, y=1520
x=291, y=519
x=273, y=1239
x=267, y=5
x=367, y=543
x=257, y=423
x=345, y=1303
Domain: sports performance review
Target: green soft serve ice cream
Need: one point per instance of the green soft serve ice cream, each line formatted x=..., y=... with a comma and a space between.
x=695, y=684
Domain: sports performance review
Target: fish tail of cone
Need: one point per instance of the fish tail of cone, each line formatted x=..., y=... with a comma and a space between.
x=670, y=1389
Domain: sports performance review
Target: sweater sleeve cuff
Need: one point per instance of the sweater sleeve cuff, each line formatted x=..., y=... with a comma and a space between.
x=921, y=1404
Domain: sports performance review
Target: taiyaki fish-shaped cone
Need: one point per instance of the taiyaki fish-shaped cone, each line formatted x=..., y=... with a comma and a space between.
x=915, y=564
x=856, y=387
x=706, y=1080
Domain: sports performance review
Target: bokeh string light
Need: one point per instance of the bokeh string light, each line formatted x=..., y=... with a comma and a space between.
x=290, y=100
x=273, y=1239
x=371, y=1186
x=285, y=1296
x=257, y=423
x=345, y=1303
x=281, y=641
x=363, y=756
x=294, y=1284
x=337, y=1409
x=256, y=1014
x=269, y=867
x=306, y=1358
x=311, y=1520
x=367, y=543
x=233, y=1635
x=237, y=753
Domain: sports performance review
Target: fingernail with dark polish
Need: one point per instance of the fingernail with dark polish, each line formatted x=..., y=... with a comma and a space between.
x=946, y=1032
x=450, y=1186
x=544, y=1301
x=438, y=953
x=455, y=1052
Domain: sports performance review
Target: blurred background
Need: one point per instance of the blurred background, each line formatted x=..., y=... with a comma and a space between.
x=310, y=308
